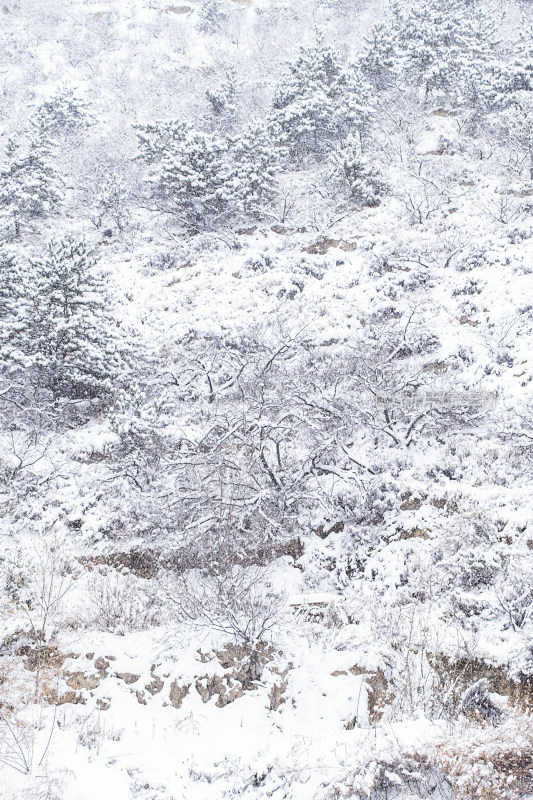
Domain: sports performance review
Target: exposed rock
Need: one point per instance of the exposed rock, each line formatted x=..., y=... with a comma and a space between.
x=379, y=696
x=410, y=503
x=178, y=693
x=55, y=699
x=436, y=367
x=80, y=680
x=414, y=533
x=322, y=246
x=128, y=677
x=102, y=666
x=205, y=657
x=463, y=320
x=275, y=695
x=44, y=657
x=156, y=685
x=143, y=564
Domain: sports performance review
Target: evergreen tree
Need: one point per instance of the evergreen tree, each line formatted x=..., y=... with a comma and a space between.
x=14, y=309
x=379, y=62
x=70, y=344
x=29, y=186
x=200, y=177
x=210, y=16
x=62, y=114
x=11, y=283
x=363, y=181
x=442, y=46
x=255, y=161
x=156, y=139
x=222, y=100
x=191, y=177
x=318, y=101
x=509, y=79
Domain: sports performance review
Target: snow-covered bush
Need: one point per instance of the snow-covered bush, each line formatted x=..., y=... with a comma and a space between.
x=222, y=100
x=211, y=15
x=123, y=603
x=491, y=762
x=201, y=178
x=111, y=200
x=36, y=581
x=234, y=600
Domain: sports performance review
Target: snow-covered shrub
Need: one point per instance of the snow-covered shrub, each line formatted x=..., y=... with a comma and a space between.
x=476, y=703
x=514, y=591
x=508, y=81
x=254, y=165
x=202, y=177
x=231, y=599
x=492, y=762
x=134, y=417
x=35, y=582
x=516, y=123
x=440, y=46
x=397, y=774
x=123, y=603
x=473, y=566
x=96, y=731
x=222, y=100
x=139, y=425
x=111, y=200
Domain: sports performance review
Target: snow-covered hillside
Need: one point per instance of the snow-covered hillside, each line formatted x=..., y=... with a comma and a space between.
x=266, y=386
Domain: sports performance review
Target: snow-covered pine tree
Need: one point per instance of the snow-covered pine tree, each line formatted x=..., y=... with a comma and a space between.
x=14, y=308
x=255, y=160
x=199, y=177
x=441, y=46
x=379, y=62
x=210, y=16
x=517, y=122
x=29, y=185
x=318, y=101
x=10, y=283
x=156, y=139
x=70, y=343
x=508, y=79
x=222, y=100
x=190, y=178
x=64, y=113
x=364, y=182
